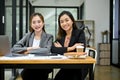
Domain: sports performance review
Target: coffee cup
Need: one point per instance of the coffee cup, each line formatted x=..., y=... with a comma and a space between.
x=79, y=48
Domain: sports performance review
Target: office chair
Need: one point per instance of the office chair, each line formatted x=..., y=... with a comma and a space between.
x=93, y=53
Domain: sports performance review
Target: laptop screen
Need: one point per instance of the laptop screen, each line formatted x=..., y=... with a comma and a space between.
x=4, y=45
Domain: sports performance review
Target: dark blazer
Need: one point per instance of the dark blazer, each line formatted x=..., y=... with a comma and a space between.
x=27, y=41
x=78, y=36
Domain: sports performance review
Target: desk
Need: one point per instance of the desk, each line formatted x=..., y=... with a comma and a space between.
x=48, y=64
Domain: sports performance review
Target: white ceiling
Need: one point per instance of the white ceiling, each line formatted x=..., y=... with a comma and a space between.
x=56, y=2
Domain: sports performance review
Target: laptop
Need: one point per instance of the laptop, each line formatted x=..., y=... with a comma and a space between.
x=4, y=45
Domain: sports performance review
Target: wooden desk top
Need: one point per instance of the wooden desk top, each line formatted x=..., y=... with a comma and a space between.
x=87, y=60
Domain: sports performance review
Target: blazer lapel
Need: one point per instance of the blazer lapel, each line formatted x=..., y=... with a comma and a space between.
x=62, y=41
x=31, y=39
x=72, y=40
x=43, y=39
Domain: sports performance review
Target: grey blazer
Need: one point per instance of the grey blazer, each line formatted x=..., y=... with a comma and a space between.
x=27, y=41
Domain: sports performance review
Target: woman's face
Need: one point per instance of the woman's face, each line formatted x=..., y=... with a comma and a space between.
x=66, y=22
x=37, y=23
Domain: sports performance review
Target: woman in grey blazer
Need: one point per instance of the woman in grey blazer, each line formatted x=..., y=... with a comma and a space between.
x=37, y=41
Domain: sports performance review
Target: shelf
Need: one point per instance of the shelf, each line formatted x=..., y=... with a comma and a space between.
x=91, y=26
x=104, y=53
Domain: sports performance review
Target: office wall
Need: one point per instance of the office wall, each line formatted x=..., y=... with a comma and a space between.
x=98, y=10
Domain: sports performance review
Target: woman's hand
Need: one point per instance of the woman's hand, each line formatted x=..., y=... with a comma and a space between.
x=78, y=44
x=26, y=52
x=30, y=48
x=74, y=46
x=57, y=44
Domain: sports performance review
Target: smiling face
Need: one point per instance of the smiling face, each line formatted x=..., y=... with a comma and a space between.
x=66, y=22
x=37, y=23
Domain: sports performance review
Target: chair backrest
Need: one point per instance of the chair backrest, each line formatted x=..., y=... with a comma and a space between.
x=93, y=53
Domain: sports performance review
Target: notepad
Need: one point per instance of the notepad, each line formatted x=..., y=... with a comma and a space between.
x=75, y=55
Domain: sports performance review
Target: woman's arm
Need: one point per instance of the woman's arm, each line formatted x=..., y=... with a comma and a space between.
x=20, y=46
x=44, y=49
x=78, y=38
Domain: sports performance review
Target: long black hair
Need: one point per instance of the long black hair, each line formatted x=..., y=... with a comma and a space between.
x=61, y=32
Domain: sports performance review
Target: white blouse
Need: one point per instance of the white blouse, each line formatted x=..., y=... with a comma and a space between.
x=36, y=43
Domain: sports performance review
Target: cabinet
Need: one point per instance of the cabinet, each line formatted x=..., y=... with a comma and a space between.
x=89, y=29
x=104, y=53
